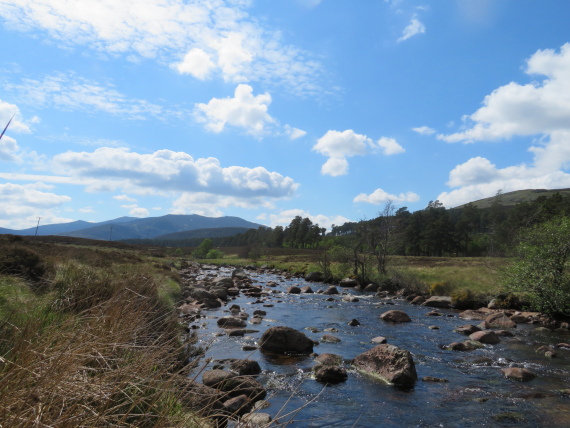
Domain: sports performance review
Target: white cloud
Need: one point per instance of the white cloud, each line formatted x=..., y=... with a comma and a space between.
x=340, y=145
x=125, y=198
x=197, y=63
x=236, y=44
x=244, y=111
x=335, y=166
x=389, y=146
x=21, y=205
x=210, y=205
x=285, y=217
x=11, y=111
x=413, y=28
x=379, y=196
x=539, y=109
x=534, y=108
x=167, y=171
x=294, y=133
x=136, y=211
x=424, y=130
x=71, y=92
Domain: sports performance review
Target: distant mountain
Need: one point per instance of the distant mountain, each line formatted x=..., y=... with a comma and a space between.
x=62, y=228
x=516, y=197
x=219, y=232
x=138, y=228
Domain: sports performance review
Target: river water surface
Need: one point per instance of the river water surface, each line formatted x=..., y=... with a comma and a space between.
x=476, y=394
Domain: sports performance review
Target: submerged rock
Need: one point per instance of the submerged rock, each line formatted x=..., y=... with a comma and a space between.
x=517, y=373
x=390, y=363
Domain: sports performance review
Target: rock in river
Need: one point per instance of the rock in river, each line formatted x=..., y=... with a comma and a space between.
x=392, y=364
x=285, y=340
x=395, y=316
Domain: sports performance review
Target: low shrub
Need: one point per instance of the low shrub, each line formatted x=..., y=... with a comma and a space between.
x=21, y=261
x=467, y=299
x=440, y=289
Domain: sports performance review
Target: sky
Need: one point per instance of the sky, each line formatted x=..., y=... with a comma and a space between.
x=269, y=109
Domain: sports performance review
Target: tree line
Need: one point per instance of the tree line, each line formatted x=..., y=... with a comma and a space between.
x=434, y=231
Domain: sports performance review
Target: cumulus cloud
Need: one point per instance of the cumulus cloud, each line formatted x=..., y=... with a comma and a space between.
x=379, y=196
x=413, y=28
x=197, y=63
x=21, y=205
x=72, y=92
x=167, y=171
x=136, y=211
x=540, y=110
x=244, y=110
x=389, y=146
x=285, y=217
x=339, y=145
x=210, y=205
x=294, y=133
x=424, y=130
x=194, y=36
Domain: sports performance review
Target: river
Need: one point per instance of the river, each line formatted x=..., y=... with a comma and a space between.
x=476, y=394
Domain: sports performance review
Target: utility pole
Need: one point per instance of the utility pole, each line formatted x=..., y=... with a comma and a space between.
x=111, y=234
x=37, y=226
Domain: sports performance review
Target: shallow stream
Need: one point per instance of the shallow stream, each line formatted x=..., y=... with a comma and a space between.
x=476, y=394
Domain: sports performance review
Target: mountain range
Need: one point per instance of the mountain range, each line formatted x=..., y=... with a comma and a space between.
x=138, y=228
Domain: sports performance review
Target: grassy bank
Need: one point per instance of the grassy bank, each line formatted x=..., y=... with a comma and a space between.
x=442, y=275
x=89, y=337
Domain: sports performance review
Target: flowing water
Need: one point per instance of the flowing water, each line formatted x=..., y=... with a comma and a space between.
x=476, y=394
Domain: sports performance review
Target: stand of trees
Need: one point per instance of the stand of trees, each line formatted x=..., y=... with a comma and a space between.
x=432, y=232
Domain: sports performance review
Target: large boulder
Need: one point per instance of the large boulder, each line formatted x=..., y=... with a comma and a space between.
x=485, y=336
x=438, y=302
x=315, y=276
x=348, y=282
x=395, y=316
x=500, y=320
x=390, y=363
x=223, y=281
x=239, y=274
x=285, y=340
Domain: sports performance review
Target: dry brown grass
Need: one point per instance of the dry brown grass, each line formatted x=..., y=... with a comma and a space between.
x=93, y=347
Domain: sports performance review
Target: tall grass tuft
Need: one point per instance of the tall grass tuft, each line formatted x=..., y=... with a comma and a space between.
x=102, y=347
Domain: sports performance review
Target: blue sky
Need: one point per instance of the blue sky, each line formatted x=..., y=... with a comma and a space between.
x=271, y=109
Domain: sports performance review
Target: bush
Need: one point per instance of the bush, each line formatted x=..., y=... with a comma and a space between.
x=215, y=254
x=540, y=268
x=440, y=289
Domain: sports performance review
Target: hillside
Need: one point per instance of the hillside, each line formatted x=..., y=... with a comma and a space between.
x=513, y=198
x=218, y=232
